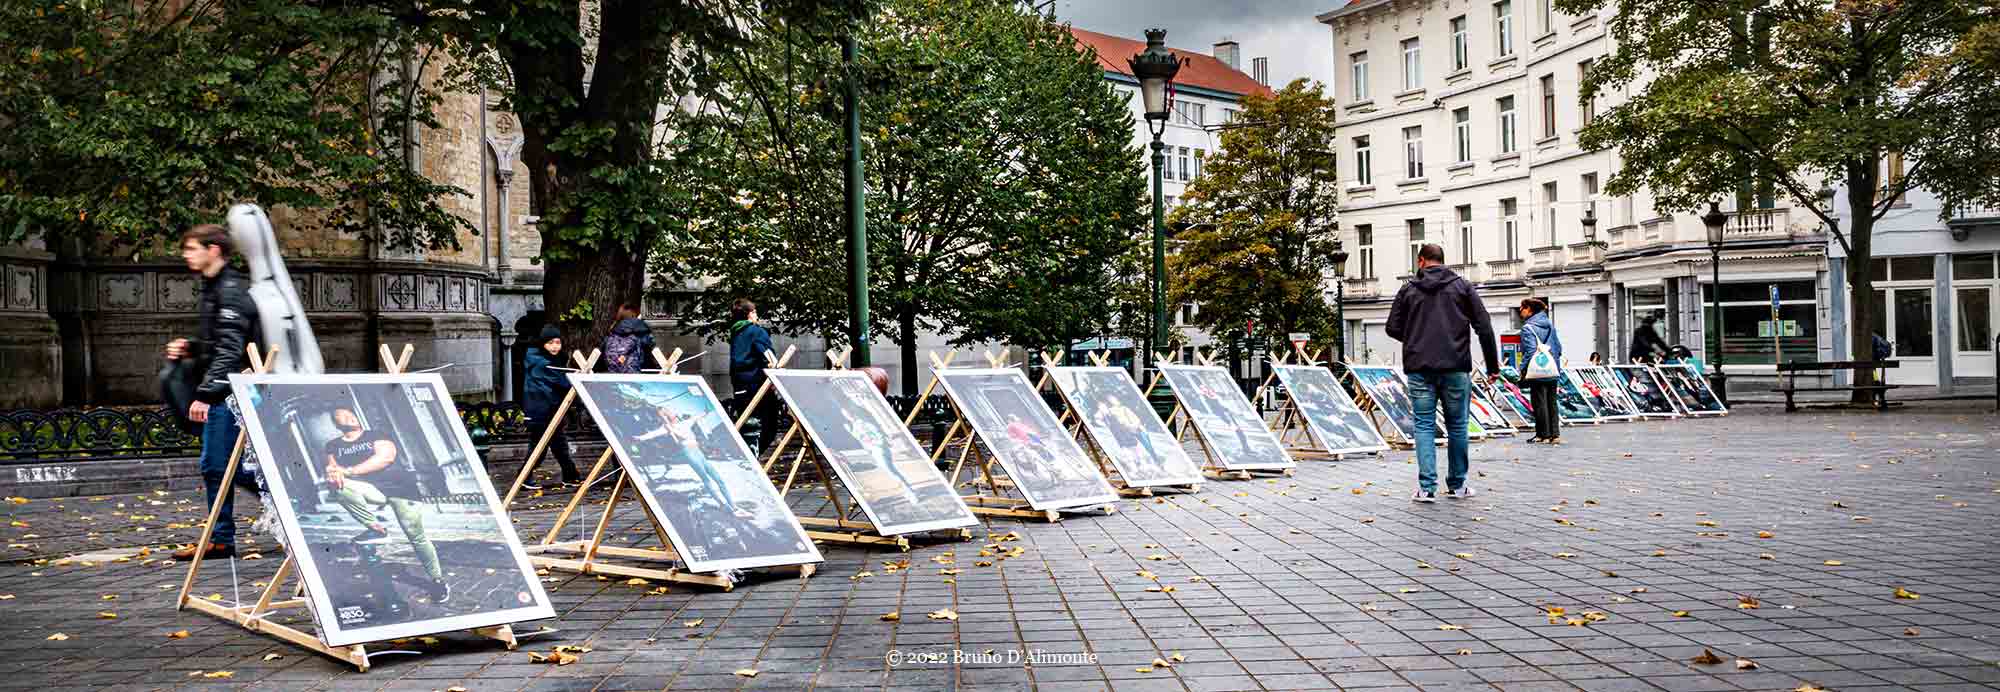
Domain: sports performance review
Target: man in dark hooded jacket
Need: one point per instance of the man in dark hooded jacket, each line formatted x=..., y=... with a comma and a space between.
x=542, y=392
x=748, y=342
x=1435, y=316
x=228, y=325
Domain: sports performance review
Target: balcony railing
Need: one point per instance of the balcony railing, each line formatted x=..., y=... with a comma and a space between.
x=1545, y=258
x=1585, y=254
x=1621, y=237
x=1975, y=214
x=1473, y=272
x=1756, y=223
x=1504, y=270
x=1362, y=288
x=1654, y=231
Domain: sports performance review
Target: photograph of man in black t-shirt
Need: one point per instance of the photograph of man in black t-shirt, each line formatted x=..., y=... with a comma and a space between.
x=362, y=467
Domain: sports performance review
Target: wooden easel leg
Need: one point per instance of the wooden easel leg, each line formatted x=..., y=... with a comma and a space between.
x=784, y=442
x=603, y=522
x=541, y=445
x=214, y=512
x=582, y=490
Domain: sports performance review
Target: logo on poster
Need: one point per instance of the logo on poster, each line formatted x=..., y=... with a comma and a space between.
x=353, y=614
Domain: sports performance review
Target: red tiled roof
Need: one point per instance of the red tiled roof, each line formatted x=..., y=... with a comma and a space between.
x=1200, y=70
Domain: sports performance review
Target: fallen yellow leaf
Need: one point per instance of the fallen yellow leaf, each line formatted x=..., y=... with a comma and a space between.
x=58, y=637
x=1680, y=613
x=1745, y=664
x=1450, y=628
x=693, y=623
x=944, y=614
x=182, y=634
x=747, y=672
x=1833, y=563
x=1765, y=534
x=892, y=616
x=1907, y=594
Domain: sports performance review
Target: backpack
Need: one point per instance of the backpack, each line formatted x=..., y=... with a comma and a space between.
x=1881, y=347
x=621, y=353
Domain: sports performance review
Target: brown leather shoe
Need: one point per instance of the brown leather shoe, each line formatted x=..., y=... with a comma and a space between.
x=215, y=550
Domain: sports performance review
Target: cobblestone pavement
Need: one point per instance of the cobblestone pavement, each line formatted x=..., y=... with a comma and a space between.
x=1653, y=537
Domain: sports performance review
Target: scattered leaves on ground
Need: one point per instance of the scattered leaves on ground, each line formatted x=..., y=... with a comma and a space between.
x=1707, y=658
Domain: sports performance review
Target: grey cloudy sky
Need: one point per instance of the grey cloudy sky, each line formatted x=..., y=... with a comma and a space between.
x=1282, y=30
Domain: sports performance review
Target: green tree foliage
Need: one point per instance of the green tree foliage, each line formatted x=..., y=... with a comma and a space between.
x=128, y=121
x=1258, y=235
x=1753, y=97
x=1001, y=181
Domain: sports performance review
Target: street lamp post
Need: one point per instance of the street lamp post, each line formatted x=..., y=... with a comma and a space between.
x=1155, y=68
x=1339, y=298
x=1714, y=220
x=1590, y=225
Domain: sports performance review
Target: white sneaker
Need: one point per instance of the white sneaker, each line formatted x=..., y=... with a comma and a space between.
x=1423, y=495
x=1462, y=493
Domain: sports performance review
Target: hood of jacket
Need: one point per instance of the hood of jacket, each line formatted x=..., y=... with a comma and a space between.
x=631, y=326
x=1433, y=279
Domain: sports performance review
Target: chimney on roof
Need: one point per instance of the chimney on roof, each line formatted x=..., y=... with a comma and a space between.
x=1229, y=52
x=1260, y=70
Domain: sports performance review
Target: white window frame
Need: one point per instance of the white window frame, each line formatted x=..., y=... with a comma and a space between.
x=1550, y=194
x=1464, y=234
x=1413, y=152
x=1510, y=227
x=1364, y=236
x=1357, y=75
x=1198, y=153
x=1547, y=87
x=1461, y=43
x=1590, y=99
x=1505, y=104
x=1413, y=64
x=1363, y=161
x=1461, y=125
x=1503, y=27
x=1548, y=12
x=1414, y=230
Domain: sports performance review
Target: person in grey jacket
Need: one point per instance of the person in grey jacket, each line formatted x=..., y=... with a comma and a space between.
x=1436, y=315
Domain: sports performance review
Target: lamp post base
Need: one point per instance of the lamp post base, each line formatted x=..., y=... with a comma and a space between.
x=1720, y=383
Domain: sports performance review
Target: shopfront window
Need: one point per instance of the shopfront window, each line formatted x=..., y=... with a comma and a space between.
x=1906, y=320
x=1749, y=333
x=1975, y=320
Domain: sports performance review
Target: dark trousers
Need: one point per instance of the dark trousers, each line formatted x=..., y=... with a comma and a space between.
x=1542, y=397
x=558, y=447
x=767, y=416
x=218, y=439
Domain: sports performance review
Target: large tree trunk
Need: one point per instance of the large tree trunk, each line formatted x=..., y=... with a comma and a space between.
x=1860, y=282
x=906, y=347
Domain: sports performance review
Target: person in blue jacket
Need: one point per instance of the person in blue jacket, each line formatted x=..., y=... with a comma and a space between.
x=542, y=393
x=748, y=344
x=1538, y=329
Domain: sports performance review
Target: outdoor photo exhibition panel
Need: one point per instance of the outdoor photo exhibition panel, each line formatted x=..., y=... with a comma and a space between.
x=1229, y=425
x=385, y=506
x=1125, y=427
x=1571, y=402
x=1391, y=395
x=694, y=472
x=1334, y=418
x=1486, y=414
x=1648, y=392
x=1510, y=395
x=1603, y=392
x=1045, y=463
x=882, y=466
x=1692, y=390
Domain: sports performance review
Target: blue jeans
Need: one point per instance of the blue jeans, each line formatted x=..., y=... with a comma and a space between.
x=1427, y=391
x=218, y=439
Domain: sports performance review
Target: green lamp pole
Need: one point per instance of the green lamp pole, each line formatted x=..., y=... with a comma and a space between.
x=1155, y=68
x=857, y=213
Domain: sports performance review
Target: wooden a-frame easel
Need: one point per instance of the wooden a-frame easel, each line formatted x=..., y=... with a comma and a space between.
x=1211, y=467
x=255, y=617
x=582, y=556
x=1084, y=437
x=996, y=502
x=845, y=526
x=1289, y=423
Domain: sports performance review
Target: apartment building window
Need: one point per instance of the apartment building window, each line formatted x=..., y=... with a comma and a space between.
x=1184, y=163
x=1547, y=10
x=1548, y=105
x=1197, y=163
x=1415, y=229
x=1461, y=48
x=1465, y=234
x=1590, y=193
x=1503, y=27
x=1506, y=106
x=1590, y=99
x=1892, y=176
x=1357, y=71
x=1549, y=211
x=1510, y=228
x=1229, y=115
x=1365, y=249
x=1413, y=153
x=1413, y=64
x=1362, y=162
x=1461, y=134
x=1190, y=113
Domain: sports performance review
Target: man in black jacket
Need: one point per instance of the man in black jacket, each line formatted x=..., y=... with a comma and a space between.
x=1435, y=315
x=748, y=342
x=228, y=325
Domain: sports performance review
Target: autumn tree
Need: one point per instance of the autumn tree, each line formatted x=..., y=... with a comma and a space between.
x=1258, y=224
x=1001, y=182
x=1732, y=98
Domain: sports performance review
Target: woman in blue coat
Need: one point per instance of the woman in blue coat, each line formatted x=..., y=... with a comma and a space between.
x=1537, y=330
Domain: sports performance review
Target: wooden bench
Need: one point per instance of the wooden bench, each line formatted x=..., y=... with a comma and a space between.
x=1788, y=379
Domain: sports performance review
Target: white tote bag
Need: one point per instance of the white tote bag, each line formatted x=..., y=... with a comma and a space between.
x=1542, y=365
